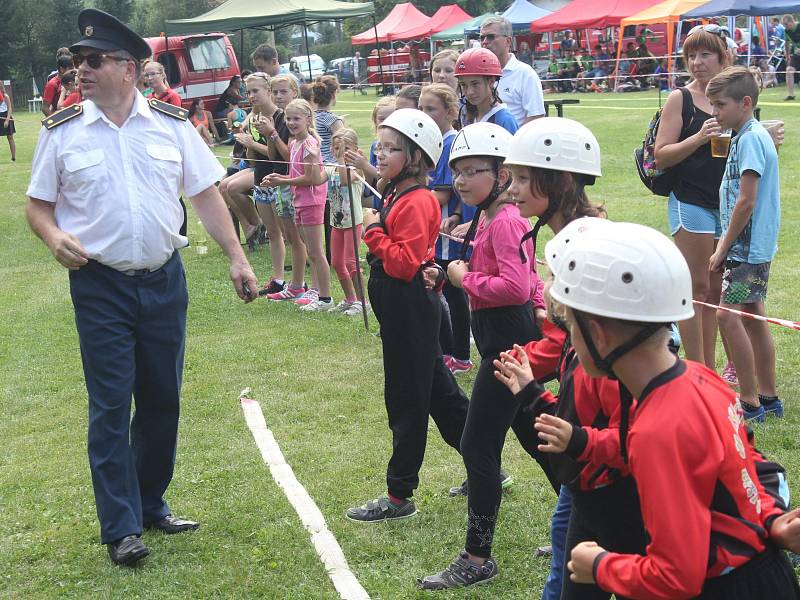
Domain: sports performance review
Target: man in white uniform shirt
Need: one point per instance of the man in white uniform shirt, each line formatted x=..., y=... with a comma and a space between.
x=103, y=196
x=519, y=86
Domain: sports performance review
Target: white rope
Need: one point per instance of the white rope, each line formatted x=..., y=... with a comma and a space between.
x=325, y=544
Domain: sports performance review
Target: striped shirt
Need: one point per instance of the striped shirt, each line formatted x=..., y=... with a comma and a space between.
x=323, y=122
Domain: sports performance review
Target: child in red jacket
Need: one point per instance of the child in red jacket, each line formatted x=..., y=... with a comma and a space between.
x=401, y=239
x=714, y=531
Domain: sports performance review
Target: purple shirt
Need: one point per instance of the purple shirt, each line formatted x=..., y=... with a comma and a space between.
x=497, y=277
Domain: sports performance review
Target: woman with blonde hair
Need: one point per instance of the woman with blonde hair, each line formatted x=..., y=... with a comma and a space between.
x=156, y=77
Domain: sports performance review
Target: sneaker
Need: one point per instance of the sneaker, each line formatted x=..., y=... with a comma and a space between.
x=788, y=98
x=460, y=573
x=447, y=359
x=287, y=293
x=381, y=509
x=753, y=413
x=729, y=375
x=318, y=306
x=463, y=490
x=458, y=366
x=273, y=287
x=543, y=551
x=355, y=309
x=308, y=297
x=772, y=405
x=341, y=307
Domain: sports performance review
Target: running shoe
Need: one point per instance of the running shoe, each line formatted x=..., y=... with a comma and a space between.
x=287, y=293
x=318, y=306
x=308, y=297
x=460, y=573
x=463, y=490
x=355, y=309
x=381, y=509
x=458, y=366
x=341, y=307
x=753, y=413
x=273, y=287
x=772, y=405
x=729, y=375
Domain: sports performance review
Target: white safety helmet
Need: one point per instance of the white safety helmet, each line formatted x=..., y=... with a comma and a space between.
x=574, y=230
x=480, y=139
x=419, y=128
x=555, y=143
x=625, y=271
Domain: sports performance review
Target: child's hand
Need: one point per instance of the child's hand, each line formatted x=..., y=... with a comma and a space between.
x=456, y=271
x=245, y=139
x=785, y=531
x=460, y=230
x=274, y=180
x=371, y=217
x=581, y=562
x=450, y=222
x=555, y=432
x=357, y=159
x=429, y=277
x=539, y=315
x=717, y=260
x=265, y=126
x=514, y=372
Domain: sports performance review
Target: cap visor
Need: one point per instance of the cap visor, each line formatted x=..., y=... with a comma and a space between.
x=98, y=44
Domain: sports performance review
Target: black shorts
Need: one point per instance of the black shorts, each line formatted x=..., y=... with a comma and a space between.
x=6, y=129
x=794, y=61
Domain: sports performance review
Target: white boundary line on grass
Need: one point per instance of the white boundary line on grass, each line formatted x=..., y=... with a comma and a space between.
x=328, y=549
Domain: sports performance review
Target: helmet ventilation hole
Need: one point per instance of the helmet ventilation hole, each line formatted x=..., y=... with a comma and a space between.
x=572, y=265
x=588, y=146
x=627, y=277
x=548, y=142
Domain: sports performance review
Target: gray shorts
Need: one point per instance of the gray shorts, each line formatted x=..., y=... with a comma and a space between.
x=744, y=283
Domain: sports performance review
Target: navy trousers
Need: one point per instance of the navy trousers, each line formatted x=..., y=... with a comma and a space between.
x=132, y=331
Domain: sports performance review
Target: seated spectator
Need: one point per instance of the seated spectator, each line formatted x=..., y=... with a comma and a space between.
x=231, y=92
x=156, y=77
x=585, y=66
x=768, y=75
x=203, y=121
x=242, y=86
x=757, y=50
x=234, y=114
x=524, y=54
x=568, y=69
x=568, y=43
x=69, y=94
x=552, y=73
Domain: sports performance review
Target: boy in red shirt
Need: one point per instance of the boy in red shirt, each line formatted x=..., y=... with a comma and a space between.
x=714, y=532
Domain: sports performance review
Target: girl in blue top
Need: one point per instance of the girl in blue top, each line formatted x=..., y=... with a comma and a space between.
x=478, y=70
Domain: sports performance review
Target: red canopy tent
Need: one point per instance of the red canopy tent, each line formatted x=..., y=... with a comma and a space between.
x=403, y=16
x=591, y=14
x=444, y=18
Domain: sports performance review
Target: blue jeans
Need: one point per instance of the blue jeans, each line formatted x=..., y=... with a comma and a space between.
x=558, y=539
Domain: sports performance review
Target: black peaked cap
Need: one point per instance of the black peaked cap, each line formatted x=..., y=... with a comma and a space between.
x=105, y=32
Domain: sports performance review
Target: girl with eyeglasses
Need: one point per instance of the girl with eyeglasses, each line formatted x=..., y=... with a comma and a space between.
x=155, y=75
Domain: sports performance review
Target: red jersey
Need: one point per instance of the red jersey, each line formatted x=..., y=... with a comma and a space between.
x=170, y=97
x=52, y=91
x=72, y=98
x=702, y=503
x=408, y=236
x=545, y=354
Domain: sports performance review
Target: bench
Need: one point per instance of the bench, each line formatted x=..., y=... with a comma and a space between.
x=559, y=104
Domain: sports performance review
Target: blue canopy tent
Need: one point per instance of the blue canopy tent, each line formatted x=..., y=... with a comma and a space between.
x=520, y=13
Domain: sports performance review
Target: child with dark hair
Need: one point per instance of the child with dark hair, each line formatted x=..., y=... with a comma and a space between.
x=408, y=96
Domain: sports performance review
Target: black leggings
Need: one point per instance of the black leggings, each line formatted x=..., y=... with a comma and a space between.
x=611, y=517
x=492, y=410
x=417, y=384
x=454, y=332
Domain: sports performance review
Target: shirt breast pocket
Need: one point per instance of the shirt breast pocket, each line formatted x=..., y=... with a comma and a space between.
x=166, y=168
x=87, y=173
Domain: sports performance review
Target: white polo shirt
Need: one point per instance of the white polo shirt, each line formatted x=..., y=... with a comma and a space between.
x=521, y=90
x=116, y=188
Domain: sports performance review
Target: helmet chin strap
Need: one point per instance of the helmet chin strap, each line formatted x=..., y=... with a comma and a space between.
x=497, y=190
x=542, y=220
x=606, y=365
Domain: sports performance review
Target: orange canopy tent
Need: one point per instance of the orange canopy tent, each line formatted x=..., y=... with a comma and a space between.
x=403, y=16
x=669, y=13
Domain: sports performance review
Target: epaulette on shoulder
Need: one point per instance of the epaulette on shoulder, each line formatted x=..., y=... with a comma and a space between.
x=176, y=112
x=62, y=116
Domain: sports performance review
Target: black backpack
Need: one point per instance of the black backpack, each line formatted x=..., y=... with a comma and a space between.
x=658, y=181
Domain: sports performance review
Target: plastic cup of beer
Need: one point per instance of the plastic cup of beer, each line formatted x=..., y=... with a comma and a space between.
x=774, y=125
x=721, y=144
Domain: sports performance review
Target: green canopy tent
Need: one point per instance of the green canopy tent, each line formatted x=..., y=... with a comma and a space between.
x=275, y=14
x=456, y=32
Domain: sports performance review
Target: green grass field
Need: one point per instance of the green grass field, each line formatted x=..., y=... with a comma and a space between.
x=319, y=381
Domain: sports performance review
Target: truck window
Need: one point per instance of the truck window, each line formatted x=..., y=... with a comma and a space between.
x=207, y=53
x=171, y=67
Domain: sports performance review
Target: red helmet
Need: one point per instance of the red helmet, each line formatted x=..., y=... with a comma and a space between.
x=479, y=62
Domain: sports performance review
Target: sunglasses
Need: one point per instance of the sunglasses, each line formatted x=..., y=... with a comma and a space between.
x=710, y=28
x=95, y=61
x=490, y=37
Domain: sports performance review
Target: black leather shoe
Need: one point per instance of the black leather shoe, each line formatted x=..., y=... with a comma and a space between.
x=171, y=524
x=128, y=551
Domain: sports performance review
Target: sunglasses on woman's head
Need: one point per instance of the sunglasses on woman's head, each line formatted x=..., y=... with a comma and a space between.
x=95, y=61
x=710, y=28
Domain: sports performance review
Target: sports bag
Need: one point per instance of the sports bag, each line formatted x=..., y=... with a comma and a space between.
x=658, y=181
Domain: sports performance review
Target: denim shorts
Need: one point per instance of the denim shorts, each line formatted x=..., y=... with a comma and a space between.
x=280, y=197
x=692, y=218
